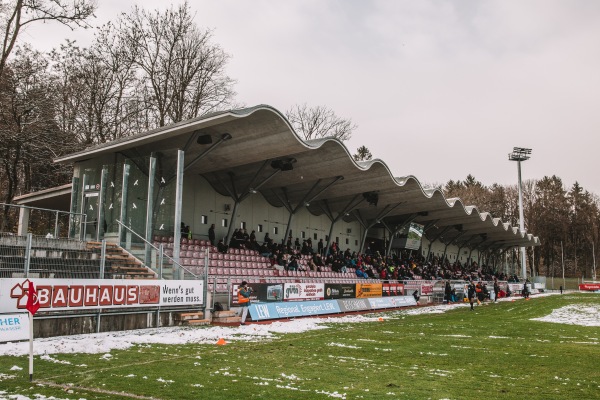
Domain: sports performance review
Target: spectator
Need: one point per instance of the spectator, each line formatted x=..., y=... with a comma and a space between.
x=185, y=231
x=293, y=264
x=479, y=292
x=221, y=247
x=496, y=289
x=211, y=234
x=447, y=293
x=471, y=290
x=244, y=293
x=416, y=295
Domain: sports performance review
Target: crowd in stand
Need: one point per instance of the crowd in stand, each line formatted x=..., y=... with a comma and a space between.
x=370, y=264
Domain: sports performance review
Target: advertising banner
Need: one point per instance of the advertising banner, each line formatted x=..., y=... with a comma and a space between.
x=262, y=292
x=517, y=288
x=84, y=294
x=409, y=237
x=349, y=305
x=303, y=291
x=341, y=291
x=392, y=302
x=14, y=327
x=262, y=311
x=426, y=288
x=589, y=286
x=393, y=289
x=364, y=290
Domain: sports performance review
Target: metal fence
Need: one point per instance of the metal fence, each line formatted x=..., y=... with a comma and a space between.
x=42, y=222
x=42, y=257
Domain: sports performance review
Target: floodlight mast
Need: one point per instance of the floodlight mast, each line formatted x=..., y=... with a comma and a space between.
x=521, y=154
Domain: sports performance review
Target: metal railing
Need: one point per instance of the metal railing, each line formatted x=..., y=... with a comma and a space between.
x=45, y=222
x=44, y=257
x=154, y=257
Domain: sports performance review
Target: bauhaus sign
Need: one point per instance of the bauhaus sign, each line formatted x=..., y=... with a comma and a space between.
x=80, y=294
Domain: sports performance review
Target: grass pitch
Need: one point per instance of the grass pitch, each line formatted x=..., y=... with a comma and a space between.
x=495, y=352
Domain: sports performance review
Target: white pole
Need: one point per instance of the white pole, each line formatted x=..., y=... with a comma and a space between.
x=522, y=225
x=30, y=347
x=594, y=259
x=562, y=257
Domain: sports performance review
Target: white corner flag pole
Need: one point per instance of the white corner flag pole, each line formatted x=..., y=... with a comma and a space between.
x=30, y=347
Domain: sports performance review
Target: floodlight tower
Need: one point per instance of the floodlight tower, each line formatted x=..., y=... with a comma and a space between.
x=521, y=154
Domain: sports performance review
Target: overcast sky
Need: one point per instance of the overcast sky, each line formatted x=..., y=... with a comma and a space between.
x=438, y=89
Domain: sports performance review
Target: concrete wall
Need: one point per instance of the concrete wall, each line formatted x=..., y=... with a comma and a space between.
x=76, y=325
x=199, y=199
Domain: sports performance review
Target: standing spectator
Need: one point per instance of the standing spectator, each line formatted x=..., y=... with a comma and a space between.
x=525, y=290
x=496, y=289
x=561, y=289
x=479, y=292
x=211, y=234
x=447, y=293
x=244, y=293
x=320, y=247
x=471, y=293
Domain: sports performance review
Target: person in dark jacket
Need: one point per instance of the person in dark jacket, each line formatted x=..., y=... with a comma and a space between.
x=496, y=289
x=447, y=293
x=211, y=234
x=471, y=294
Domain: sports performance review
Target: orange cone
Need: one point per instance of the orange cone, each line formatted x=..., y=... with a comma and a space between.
x=221, y=342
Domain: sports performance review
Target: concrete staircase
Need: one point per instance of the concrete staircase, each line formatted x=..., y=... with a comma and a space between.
x=226, y=318
x=120, y=264
x=192, y=319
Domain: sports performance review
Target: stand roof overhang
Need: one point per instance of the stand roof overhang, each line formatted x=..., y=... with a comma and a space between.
x=318, y=174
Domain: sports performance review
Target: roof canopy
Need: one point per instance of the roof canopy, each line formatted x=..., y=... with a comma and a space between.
x=242, y=152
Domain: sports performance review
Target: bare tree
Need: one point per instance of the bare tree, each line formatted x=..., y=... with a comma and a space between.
x=362, y=154
x=97, y=87
x=16, y=14
x=181, y=72
x=320, y=121
x=29, y=136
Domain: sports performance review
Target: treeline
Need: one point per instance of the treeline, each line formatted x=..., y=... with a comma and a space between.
x=142, y=71
x=148, y=69
x=567, y=220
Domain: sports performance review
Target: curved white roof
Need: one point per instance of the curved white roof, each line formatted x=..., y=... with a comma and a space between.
x=324, y=175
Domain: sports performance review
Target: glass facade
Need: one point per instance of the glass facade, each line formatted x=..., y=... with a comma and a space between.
x=99, y=199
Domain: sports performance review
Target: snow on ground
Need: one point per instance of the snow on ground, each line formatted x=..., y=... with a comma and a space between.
x=103, y=343
x=580, y=314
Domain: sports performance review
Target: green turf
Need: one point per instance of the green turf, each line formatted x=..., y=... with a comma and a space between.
x=496, y=352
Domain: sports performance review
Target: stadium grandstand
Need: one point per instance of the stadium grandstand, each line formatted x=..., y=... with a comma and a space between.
x=238, y=196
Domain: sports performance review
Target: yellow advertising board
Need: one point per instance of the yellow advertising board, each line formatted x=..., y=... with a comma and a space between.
x=368, y=290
